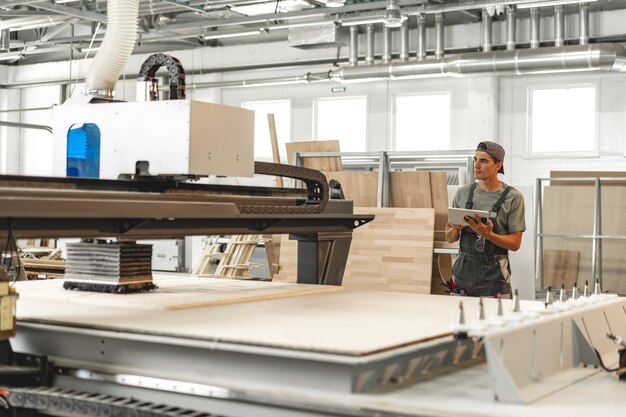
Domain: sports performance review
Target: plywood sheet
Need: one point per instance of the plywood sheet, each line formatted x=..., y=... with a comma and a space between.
x=221, y=140
x=359, y=186
x=392, y=253
x=410, y=189
x=343, y=322
x=569, y=210
x=560, y=267
x=323, y=163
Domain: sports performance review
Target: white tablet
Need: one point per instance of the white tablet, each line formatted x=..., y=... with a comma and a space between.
x=456, y=215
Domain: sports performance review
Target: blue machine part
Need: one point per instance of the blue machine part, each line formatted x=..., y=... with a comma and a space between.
x=83, y=151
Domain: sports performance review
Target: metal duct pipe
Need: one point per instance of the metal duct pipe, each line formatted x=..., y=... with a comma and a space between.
x=421, y=37
x=369, y=51
x=559, y=26
x=354, y=46
x=511, y=20
x=487, y=30
x=534, y=27
x=5, y=40
x=583, y=17
x=386, y=45
x=440, y=36
x=594, y=57
x=404, y=41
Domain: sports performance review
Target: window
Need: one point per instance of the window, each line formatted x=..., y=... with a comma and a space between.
x=422, y=122
x=282, y=117
x=344, y=119
x=563, y=120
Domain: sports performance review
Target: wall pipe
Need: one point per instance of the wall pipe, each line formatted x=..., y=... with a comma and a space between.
x=421, y=37
x=440, y=35
x=386, y=45
x=511, y=23
x=369, y=51
x=404, y=42
x=354, y=46
x=559, y=26
x=487, y=30
x=583, y=17
x=534, y=27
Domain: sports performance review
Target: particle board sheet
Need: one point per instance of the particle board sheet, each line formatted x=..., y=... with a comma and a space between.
x=587, y=174
x=392, y=253
x=560, y=267
x=343, y=322
x=569, y=210
x=331, y=163
x=359, y=186
x=439, y=197
x=178, y=293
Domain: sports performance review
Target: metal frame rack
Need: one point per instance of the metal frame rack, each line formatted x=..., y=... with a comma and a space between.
x=386, y=162
x=596, y=236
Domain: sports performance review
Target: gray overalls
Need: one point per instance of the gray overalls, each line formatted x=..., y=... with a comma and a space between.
x=477, y=270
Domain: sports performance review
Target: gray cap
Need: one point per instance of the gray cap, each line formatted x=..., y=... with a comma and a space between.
x=494, y=150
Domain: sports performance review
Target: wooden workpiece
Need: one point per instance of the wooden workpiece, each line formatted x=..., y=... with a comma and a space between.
x=333, y=320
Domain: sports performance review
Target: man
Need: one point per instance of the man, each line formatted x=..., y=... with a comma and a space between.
x=482, y=267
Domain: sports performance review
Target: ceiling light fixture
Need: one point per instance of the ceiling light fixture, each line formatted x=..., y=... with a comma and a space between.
x=218, y=35
x=357, y=22
x=11, y=56
x=335, y=3
x=393, y=17
x=532, y=5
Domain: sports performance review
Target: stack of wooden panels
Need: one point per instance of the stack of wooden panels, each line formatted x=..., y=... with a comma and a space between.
x=392, y=253
x=569, y=209
x=359, y=186
x=235, y=262
x=44, y=268
x=560, y=267
x=112, y=263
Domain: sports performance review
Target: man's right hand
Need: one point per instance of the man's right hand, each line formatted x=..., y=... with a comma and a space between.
x=453, y=232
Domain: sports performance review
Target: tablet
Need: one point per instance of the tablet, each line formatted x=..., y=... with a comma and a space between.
x=456, y=215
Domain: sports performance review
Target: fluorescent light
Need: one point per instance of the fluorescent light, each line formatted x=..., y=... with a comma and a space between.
x=362, y=21
x=550, y=3
x=218, y=35
x=298, y=25
x=92, y=49
x=8, y=56
x=335, y=3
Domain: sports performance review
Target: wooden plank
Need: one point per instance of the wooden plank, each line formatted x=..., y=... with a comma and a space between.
x=560, y=267
x=410, y=189
x=322, y=163
x=359, y=186
x=274, y=140
x=392, y=253
x=439, y=197
x=587, y=174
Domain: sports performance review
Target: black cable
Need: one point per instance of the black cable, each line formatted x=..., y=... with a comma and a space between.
x=602, y=363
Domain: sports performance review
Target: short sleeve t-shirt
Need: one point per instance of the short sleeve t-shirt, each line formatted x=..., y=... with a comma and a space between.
x=510, y=218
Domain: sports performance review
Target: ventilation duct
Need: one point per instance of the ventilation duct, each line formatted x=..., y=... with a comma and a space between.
x=321, y=35
x=116, y=47
x=595, y=57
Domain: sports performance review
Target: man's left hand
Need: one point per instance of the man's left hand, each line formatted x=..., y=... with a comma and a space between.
x=480, y=228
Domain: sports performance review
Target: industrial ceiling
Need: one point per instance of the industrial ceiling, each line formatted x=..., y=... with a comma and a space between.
x=35, y=31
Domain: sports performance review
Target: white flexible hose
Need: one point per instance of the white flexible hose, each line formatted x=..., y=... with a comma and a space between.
x=117, y=45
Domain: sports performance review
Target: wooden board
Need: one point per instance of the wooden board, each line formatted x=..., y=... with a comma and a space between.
x=322, y=163
x=410, y=189
x=439, y=197
x=560, y=267
x=343, y=322
x=587, y=174
x=569, y=210
x=359, y=186
x=392, y=253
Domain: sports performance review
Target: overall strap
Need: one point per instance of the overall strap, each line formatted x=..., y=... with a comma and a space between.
x=470, y=198
x=496, y=207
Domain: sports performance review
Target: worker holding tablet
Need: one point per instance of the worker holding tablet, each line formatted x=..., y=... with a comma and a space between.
x=482, y=266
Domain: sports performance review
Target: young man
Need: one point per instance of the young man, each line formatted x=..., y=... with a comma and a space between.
x=482, y=267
